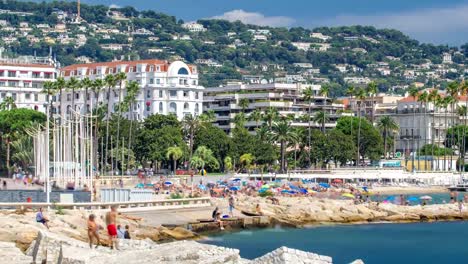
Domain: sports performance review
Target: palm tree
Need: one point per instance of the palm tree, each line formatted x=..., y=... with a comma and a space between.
x=110, y=82
x=321, y=118
x=433, y=97
x=454, y=91
x=361, y=97
x=387, y=125
x=73, y=84
x=87, y=84
x=448, y=100
x=308, y=95
x=351, y=91
x=208, y=117
x=174, y=153
x=270, y=116
x=60, y=84
x=325, y=91
x=244, y=103
x=413, y=92
x=7, y=103
x=203, y=156
x=191, y=125
x=240, y=119
x=256, y=116
x=49, y=89
x=463, y=88
x=283, y=133
x=119, y=78
x=423, y=99
x=372, y=91
x=264, y=133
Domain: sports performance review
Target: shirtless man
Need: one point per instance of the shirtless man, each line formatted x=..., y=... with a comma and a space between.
x=111, y=222
x=93, y=231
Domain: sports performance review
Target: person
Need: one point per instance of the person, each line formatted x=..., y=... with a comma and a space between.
x=4, y=185
x=93, y=231
x=231, y=206
x=120, y=232
x=258, y=210
x=40, y=218
x=216, y=215
x=111, y=220
x=460, y=206
x=127, y=232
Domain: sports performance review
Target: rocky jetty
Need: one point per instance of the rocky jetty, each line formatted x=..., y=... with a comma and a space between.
x=299, y=211
x=55, y=248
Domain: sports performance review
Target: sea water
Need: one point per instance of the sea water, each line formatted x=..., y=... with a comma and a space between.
x=438, y=242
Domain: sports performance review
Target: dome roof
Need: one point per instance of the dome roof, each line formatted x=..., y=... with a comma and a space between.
x=178, y=68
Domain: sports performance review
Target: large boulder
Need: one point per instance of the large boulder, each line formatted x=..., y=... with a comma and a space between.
x=178, y=233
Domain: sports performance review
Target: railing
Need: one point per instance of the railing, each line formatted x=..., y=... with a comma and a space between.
x=189, y=202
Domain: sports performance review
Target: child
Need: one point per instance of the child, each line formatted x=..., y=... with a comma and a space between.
x=127, y=232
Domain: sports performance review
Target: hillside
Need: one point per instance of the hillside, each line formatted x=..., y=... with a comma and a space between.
x=229, y=51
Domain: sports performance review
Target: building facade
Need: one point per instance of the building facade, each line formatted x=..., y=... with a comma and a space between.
x=165, y=87
x=23, y=78
x=225, y=102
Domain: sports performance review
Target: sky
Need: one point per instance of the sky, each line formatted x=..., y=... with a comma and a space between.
x=431, y=21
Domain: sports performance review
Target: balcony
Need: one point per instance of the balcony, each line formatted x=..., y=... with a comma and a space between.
x=409, y=137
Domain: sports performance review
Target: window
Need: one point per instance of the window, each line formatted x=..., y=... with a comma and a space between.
x=77, y=96
x=197, y=108
x=158, y=81
x=48, y=75
x=196, y=95
x=182, y=71
x=111, y=70
x=148, y=94
x=158, y=68
x=14, y=96
x=36, y=97
x=161, y=107
x=172, y=93
x=185, y=82
x=12, y=84
x=27, y=96
x=186, y=106
x=151, y=81
x=131, y=69
x=151, y=68
x=185, y=94
x=68, y=97
x=36, y=75
x=72, y=73
x=194, y=82
x=160, y=94
x=26, y=84
x=3, y=95
x=148, y=107
x=11, y=74
x=2, y=83
x=172, y=108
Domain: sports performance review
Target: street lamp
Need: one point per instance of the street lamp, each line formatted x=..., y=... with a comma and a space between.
x=47, y=165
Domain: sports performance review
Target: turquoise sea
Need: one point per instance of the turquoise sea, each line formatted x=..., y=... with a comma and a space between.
x=441, y=242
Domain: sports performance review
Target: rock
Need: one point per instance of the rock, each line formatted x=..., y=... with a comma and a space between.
x=357, y=261
x=289, y=256
x=178, y=233
x=9, y=253
x=24, y=238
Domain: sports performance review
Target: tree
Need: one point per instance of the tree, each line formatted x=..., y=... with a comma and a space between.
x=361, y=97
x=244, y=103
x=321, y=118
x=73, y=84
x=110, y=83
x=215, y=139
x=246, y=161
x=203, y=157
x=87, y=84
x=283, y=133
x=256, y=116
x=308, y=95
x=270, y=115
x=7, y=103
x=387, y=125
x=433, y=97
x=227, y=164
x=372, y=91
x=174, y=153
x=60, y=84
x=370, y=144
x=14, y=123
x=340, y=147
x=23, y=151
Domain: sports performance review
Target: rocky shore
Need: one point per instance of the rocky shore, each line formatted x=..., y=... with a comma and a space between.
x=300, y=211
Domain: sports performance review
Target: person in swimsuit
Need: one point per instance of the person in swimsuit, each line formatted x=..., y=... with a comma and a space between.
x=40, y=218
x=93, y=231
x=111, y=220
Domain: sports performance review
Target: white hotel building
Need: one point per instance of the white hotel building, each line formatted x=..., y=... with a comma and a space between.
x=23, y=78
x=165, y=87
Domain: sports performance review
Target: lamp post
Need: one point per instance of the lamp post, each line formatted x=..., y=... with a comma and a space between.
x=47, y=161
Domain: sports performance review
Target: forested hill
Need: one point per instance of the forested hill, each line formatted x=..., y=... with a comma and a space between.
x=227, y=50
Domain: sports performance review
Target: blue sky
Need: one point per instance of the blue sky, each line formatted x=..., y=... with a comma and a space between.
x=435, y=21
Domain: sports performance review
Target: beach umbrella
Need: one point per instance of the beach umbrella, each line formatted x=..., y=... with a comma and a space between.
x=337, y=180
x=390, y=198
x=348, y=195
x=365, y=189
x=425, y=197
x=234, y=188
x=168, y=183
x=202, y=187
x=324, y=185
x=413, y=199
x=285, y=191
x=236, y=180
x=304, y=191
x=311, y=191
x=140, y=185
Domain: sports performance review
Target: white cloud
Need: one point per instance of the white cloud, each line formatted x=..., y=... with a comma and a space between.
x=114, y=6
x=256, y=18
x=426, y=24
